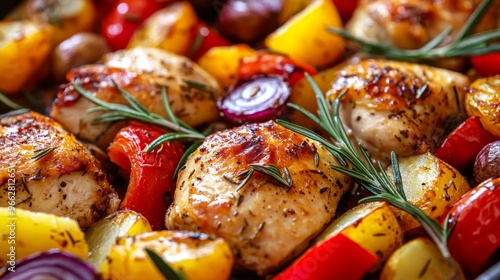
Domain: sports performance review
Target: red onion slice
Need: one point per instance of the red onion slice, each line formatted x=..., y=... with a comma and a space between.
x=53, y=264
x=257, y=100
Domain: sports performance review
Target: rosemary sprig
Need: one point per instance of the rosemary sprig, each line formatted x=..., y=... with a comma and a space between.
x=11, y=104
x=361, y=168
x=14, y=113
x=118, y=112
x=39, y=154
x=168, y=272
x=269, y=170
x=464, y=44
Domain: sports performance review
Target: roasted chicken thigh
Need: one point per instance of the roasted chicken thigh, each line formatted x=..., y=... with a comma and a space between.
x=396, y=106
x=66, y=181
x=142, y=72
x=265, y=222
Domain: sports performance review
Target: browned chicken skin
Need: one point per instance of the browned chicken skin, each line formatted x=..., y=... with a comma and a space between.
x=66, y=182
x=142, y=73
x=265, y=223
x=409, y=24
x=384, y=112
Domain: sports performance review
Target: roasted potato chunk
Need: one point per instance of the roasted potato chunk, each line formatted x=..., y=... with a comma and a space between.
x=24, y=45
x=373, y=226
x=19, y=227
x=418, y=259
x=483, y=100
x=102, y=235
x=66, y=17
x=195, y=255
x=430, y=184
x=168, y=29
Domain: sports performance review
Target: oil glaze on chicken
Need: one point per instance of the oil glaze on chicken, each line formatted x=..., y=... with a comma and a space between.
x=409, y=24
x=142, y=72
x=396, y=106
x=65, y=182
x=265, y=223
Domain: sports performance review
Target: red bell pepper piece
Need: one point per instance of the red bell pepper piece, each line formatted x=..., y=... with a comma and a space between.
x=487, y=64
x=476, y=235
x=463, y=144
x=150, y=173
x=205, y=38
x=336, y=258
x=267, y=63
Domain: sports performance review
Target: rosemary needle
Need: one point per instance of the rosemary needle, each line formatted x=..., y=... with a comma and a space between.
x=42, y=153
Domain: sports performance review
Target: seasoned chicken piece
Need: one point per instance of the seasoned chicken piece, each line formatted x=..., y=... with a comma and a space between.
x=395, y=106
x=66, y=182
x=409, y=24
x=265, y=223
x=142, y=72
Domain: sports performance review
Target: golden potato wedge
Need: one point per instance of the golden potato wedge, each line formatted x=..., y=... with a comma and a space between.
x=196, y=255
x=305, y=36
x=102, y=235
x=483, y=100
x=416, y=260
x=29, y=232
x=430, y=184
x=373, y=226
x=223, y=62
x=67, y=17
x=24, y=45
x=168, y=29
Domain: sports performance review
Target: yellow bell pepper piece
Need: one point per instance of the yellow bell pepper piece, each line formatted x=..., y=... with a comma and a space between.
x=27, y=232
x=305, y=36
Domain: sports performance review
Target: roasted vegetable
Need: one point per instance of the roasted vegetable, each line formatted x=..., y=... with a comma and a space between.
x=476, y=235
x=336, y=257
x=223, y=62
x=372, y=226
x=52, y=264
x=430, y=184
x=102, y=235
x=168, y=29
x=468, y=138
x=483, y=100
x=124, y=18
x=259, y=99
x=52, y=232
x=79, y=49
x=248, y=21
x=196, y=255
x=205, y=38
x=317, y=46
x=418, y=259
x=24, y=46
x=67, y=17
x=151, y=184
x=487, y=164
x=264, y=63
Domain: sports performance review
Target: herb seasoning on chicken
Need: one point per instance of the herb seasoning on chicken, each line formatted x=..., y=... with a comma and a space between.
x=54, y=172
x=265, y=222
x=397, y=106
